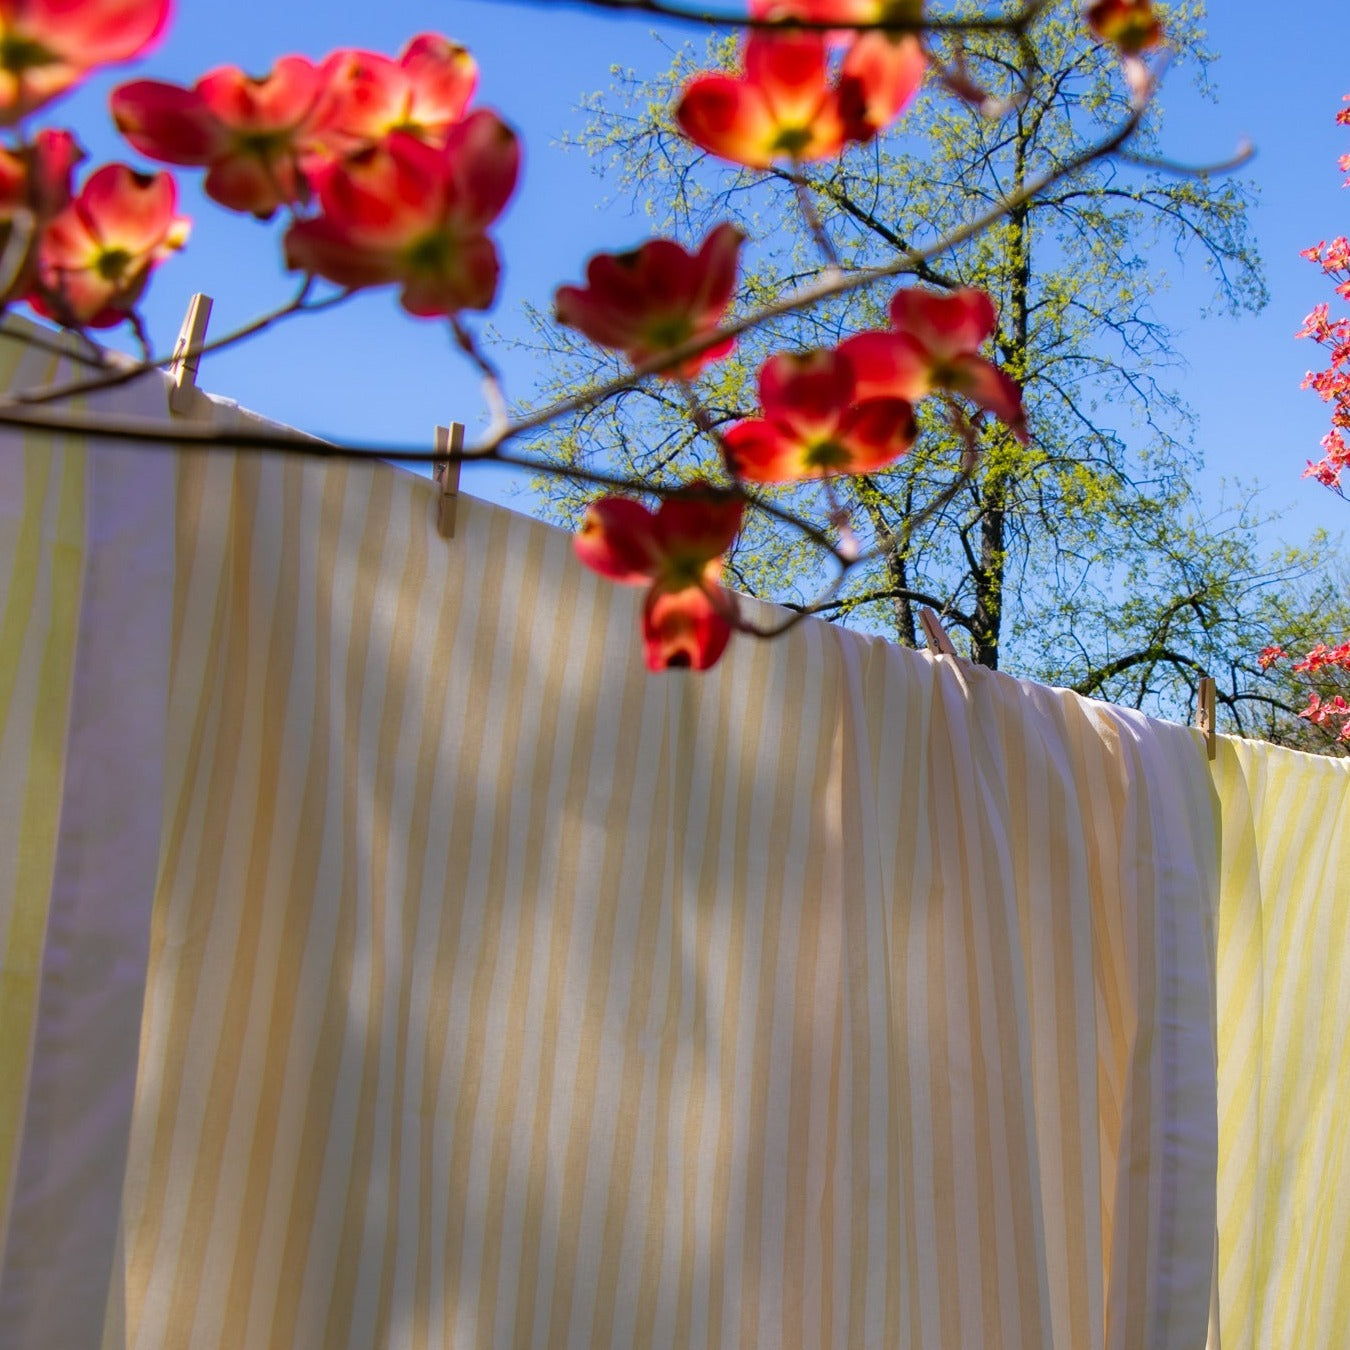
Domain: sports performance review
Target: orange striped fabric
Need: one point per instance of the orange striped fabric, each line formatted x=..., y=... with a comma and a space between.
x=500, y=993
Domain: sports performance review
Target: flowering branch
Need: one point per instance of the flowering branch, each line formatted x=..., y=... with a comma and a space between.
x=388, y=175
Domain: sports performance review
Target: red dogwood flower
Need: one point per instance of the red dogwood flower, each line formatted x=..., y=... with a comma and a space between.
x=1131, y=26
x=95, y=257
x=35, y=180
x=934, y=344
x=424, y=93
x=249, y=133
x=784, y=105
x=816, y=423
x=676, y=552
x=414, y=214
x=656, y=297
x=48, y=46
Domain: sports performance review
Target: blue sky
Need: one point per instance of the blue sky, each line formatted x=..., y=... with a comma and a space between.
x=365, y=372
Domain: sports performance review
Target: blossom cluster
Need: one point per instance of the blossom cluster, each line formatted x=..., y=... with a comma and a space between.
x=405, y=177
x=1332, y=385
x=1321, y=712
x=385, y=174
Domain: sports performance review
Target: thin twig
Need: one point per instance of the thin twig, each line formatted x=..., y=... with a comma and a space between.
x=814, y=224
x=1017, y=23
x=493, y=393
x=54, y=393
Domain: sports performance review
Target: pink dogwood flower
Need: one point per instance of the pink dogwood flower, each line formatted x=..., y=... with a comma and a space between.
x=49, y=46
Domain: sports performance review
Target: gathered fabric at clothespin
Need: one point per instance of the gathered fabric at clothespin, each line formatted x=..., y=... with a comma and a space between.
x=445, y=472
x=187, y=354
x=1205, y=714
x=936, y=635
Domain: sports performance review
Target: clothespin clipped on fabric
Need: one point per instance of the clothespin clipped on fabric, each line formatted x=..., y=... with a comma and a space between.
x=445, y=472
x=187, y=354
x=934, y=633
x=1205, y=714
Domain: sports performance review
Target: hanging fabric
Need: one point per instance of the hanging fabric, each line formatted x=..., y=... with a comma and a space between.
x=1284, y=1048
x=472, y=986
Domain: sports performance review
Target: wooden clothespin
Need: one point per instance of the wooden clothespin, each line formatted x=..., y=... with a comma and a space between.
x=187, y=354
x=936, y=635
x=1204, y=714
x=445, y=472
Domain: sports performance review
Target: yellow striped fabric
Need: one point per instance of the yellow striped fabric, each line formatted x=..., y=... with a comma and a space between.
x=1284, y=1050
x=42, y=505
x=502, y=994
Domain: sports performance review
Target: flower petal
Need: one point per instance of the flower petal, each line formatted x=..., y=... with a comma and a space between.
x=483, y=156
x=385, y=196
x=888, y=365
x=133, y=210
x=791, y=70
x=698, y=522
x=807, y=391
x=718, y=266
x=281, y=101
x=765, y=452
x=245, y=182
x=617, y=540
x=324, y=247
x=95, y=32
x=167, y=123
x=947, y=325
x=880, y=77
x=730, y=119
x=993, y=389
x=465, y=277
x=442, y=78
x=877, y=432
